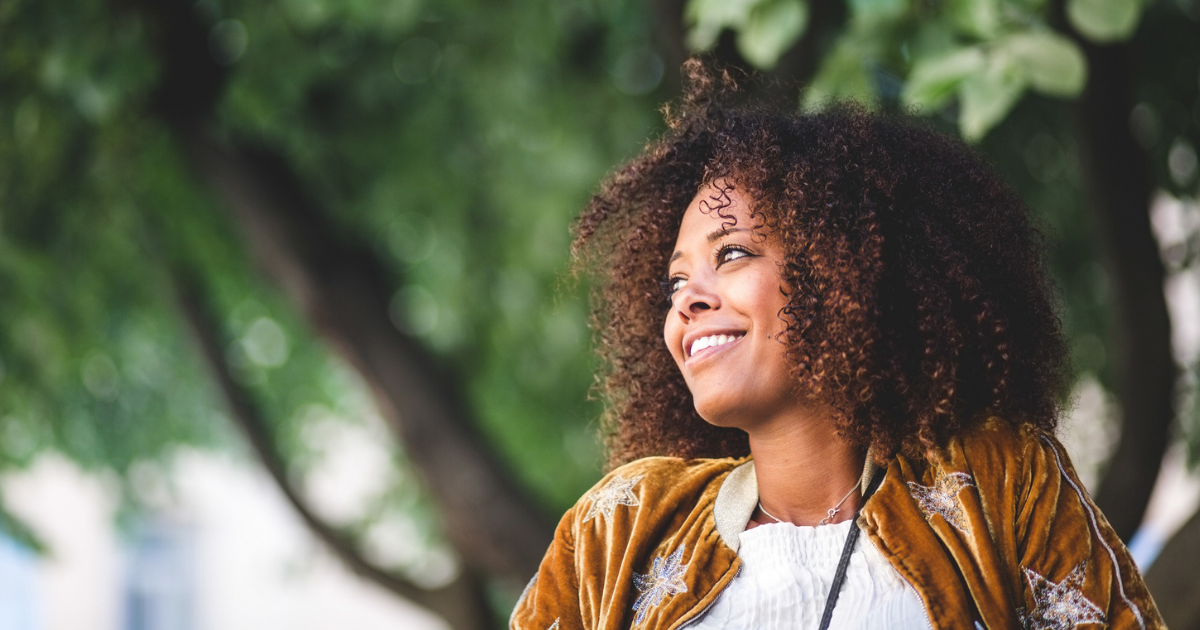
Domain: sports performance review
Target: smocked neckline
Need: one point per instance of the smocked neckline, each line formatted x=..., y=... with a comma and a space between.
x=803, y=531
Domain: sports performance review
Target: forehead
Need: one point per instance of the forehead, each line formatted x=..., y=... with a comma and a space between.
x=714, y=208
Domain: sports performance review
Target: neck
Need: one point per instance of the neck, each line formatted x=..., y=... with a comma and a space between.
x=803, y=470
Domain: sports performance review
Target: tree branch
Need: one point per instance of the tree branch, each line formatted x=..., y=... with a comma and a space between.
x=448, y=601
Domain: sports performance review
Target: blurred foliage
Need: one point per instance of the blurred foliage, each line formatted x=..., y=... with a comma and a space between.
x=458, y=139
x=765, y=28
x=984, y=53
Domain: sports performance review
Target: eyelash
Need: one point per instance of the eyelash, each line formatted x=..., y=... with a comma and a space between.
x=726, y=249
x=667, y=285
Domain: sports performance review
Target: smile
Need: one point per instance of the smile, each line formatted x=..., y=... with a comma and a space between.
x=712, y=341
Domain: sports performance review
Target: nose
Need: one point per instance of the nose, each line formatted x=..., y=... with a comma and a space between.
x=697, y=296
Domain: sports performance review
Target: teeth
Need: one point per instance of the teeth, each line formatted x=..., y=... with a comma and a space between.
x=711, y=341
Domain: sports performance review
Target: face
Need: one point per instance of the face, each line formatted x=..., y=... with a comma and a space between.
x=724, y=326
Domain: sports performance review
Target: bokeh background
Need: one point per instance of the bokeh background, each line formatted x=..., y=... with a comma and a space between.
x=288, y=332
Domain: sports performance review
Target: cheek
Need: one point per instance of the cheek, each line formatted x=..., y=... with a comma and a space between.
x=673, y=337
x=764, y=301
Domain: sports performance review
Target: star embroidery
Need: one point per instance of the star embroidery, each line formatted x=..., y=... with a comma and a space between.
x=942, y=498
x=1059, y=606
x=553, y=626
x=619, y=491
x=665, y=578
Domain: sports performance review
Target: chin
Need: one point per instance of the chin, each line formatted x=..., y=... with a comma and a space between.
x=717, y=415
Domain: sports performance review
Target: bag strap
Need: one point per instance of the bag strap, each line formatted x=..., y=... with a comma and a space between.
x=839, y=577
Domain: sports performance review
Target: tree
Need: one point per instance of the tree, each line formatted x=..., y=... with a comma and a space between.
x=134, y=141
x=303, y=202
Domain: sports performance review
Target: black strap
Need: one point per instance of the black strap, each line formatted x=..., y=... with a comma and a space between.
x=840, y=577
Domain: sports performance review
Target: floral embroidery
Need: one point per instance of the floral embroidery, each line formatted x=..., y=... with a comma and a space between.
x=619, y=491
x=942, y=498
x=1061, y=605
x=665, y=578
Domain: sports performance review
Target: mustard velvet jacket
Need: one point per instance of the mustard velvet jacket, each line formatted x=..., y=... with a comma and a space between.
x=993, y=531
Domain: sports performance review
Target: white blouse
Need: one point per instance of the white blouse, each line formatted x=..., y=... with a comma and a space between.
x=785, y=579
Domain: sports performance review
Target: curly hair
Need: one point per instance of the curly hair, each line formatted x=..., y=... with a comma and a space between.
x=918, y=303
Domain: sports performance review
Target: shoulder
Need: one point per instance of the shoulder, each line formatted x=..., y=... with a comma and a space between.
x=640, y=502
x=1062, y=541
x=636, y=517
x=1023, y=479
x=661, y=482
x=1008, y=463
x=1006, y=503
x=674, y=469
x=999, y=447
x=999, y=435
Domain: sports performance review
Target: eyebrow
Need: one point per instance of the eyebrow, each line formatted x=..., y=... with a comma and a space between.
x=712, y=237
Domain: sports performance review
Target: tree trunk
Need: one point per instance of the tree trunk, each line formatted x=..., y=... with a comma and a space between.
x=462, y=603
x=344, y=292
x=1174, y=580
x=1117, y=176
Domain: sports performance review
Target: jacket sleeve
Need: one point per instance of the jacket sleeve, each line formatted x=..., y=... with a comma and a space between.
x=551, y=600
x=1075, y=570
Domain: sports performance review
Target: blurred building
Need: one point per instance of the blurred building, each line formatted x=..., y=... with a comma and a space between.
x=229, y=555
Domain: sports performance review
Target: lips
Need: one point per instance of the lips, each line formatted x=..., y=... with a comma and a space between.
x=710, y=341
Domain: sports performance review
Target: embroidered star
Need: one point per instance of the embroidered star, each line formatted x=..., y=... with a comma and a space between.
x=553, y=626
x=942, y=498
x=665, y=578
x=619, y=491
x=1061, y=605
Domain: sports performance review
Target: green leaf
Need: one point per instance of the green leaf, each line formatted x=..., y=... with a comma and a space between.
x=707, y=18
x=843, y=75
x=771, y=28
x=1053, y=63
x=933, y=80
x=1105, y=20
x=877, y=10
x=980, y=18
x=986, y=97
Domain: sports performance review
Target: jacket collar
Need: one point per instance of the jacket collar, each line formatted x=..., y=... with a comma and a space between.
x=735, y=503
x=738, y=497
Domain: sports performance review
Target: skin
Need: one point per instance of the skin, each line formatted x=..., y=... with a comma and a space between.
x=724, y=278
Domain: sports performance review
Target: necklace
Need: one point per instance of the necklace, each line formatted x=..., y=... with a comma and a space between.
x=829, y=515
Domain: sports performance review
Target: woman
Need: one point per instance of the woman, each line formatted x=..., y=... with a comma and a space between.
x=834, y=371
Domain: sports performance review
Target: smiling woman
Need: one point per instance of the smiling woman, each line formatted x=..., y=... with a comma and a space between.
x=723, y=328
x=860, y=341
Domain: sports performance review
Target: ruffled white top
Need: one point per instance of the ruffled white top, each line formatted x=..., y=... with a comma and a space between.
x=785, y=579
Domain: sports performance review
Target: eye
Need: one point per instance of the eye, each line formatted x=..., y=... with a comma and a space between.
x=730, y=253
x=671, y=285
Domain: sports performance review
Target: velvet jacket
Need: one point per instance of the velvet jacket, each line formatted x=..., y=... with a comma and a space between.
x=992, y=531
